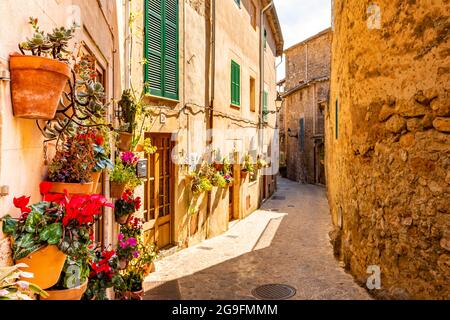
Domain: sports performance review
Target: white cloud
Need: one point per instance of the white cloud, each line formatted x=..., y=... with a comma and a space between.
x=301, y=19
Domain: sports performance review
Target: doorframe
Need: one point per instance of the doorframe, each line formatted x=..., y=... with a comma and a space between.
x=153, y=224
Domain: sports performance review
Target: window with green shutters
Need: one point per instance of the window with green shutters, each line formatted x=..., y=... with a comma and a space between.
x=235, y=83
x=265, y=102
x=161, y=48
x=301, y=135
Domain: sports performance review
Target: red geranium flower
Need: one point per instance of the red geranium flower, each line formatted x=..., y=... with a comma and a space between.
x=99, y=140
x=45, y=187
x=22, y=203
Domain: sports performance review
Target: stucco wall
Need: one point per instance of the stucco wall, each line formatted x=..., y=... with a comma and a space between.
x=388, y=169
x=21, y=157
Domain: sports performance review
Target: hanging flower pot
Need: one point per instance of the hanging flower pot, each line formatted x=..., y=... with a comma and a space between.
x=95, y=180
x=46, y=265
x=139, y=148
x=131, y=295
x=125, y=140
x=117, y=189
x=218, y=166
x=67, y=294
x=244, y=174
x=36, y=85
x=122, y=219
x=123, y=263
x=72, y=188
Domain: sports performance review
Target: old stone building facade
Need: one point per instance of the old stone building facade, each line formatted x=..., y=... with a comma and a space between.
x=193, y=90
x=306, y=98
x=388, y=144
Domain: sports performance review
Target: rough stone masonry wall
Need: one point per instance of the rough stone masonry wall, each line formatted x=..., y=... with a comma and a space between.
x=388, y=170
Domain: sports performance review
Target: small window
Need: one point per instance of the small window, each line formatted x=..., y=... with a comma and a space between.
x=301, y=135
x=252, y=95
x=235, y=83
x=253, y=14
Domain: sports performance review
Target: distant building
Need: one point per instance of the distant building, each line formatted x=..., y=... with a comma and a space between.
x=306, y=90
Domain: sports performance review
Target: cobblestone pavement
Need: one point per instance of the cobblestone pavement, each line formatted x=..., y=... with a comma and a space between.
x=285, y=242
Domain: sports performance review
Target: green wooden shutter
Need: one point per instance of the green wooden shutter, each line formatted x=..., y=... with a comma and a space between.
x=153, y=70
x=265, y=101
x=171, y=49
x=235, y=83
x=161, y=47
x=265, y=38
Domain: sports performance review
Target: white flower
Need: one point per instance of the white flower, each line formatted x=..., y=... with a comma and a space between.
x=26, y=274
x=3, y=292
x=23, y=284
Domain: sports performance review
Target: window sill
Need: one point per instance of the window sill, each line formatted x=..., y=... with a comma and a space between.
x=152, y=98
x=235, y=106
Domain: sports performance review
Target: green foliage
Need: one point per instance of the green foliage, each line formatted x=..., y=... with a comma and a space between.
x=128, y=109
x=148, y=147
x=248, y=164
x=102, y=160
x=52, y=44
x=124, y=174
x=218, y=180
x=32, y=232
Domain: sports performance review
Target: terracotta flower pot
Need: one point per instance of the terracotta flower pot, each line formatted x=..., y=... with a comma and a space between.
x=72, y=188
x=67, y=294
x=46, y=264
x=139, y=148
x=123, y=219
x=117, y=189
x=218, y=166
x=244, y=174
x=125, y=140
x=95, y=180
x=133, y=295
x=36, y=85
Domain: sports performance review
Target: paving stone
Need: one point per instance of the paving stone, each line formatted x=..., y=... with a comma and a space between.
x=289, y=246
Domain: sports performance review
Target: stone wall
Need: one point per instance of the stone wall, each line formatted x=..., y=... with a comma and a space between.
x=307, y=73
x=387, y=156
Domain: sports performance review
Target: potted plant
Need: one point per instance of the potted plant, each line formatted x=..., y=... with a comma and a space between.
x=102, y=161
x=146, y=147
x=261, y=163
x=126, y=206
x=104, y=274
x=49, y=231
x=247, y=166
x=123, y=176
x=128, y=108
x=73, y=163
x=12, y=288
x=218, y=180
x=138, y=268
x=127, y=248
x=38, y=80
x=72, y=282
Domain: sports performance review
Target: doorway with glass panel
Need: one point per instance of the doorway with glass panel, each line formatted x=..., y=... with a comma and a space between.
x=158, y=200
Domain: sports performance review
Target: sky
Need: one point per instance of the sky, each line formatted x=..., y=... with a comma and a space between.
x=301, y=19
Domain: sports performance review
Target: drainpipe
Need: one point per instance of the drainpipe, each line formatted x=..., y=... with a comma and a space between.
x=261, y=76
x=211, y=103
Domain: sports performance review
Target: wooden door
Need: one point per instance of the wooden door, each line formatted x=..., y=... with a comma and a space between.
x=230, y=204
x=158, y=200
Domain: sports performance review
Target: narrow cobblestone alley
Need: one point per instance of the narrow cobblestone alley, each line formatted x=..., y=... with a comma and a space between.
x=285, y=242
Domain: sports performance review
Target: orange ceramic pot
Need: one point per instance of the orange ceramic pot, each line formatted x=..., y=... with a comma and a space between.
x=95, y=179
x=244, y=175
x=139, y=148
x=123, y=219
x=125, y=140
x=46, y=264
x=72, y=188
x=36, y=85
x=67, y=294
x=116, y=189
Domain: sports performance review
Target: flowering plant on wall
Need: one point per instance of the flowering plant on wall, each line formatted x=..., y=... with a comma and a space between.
x=103, y=274
x=126, y=205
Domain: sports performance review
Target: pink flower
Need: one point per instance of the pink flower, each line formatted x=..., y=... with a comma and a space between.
x=120, y=236
x=132, y=242
x=136, y=253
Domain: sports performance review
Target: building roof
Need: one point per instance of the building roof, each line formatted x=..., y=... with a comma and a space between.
x=275, y=26
x=317, y=35
x=304, y=84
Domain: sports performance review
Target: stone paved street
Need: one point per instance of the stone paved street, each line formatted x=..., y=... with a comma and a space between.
x=285, y=242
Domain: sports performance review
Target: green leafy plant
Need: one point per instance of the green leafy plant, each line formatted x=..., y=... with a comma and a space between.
x=54, y=44
x=148, y=147
x=248, y=164
x=75, y=160
x=218, y=180
x=127, y=204
x=124, y=174
x=12, y=288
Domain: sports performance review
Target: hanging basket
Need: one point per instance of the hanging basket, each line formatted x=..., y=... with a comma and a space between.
x=244, y=174
x=117, y=189
x=123, y=219
x=125, y=140
x=36, y=85
x=95, y=180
